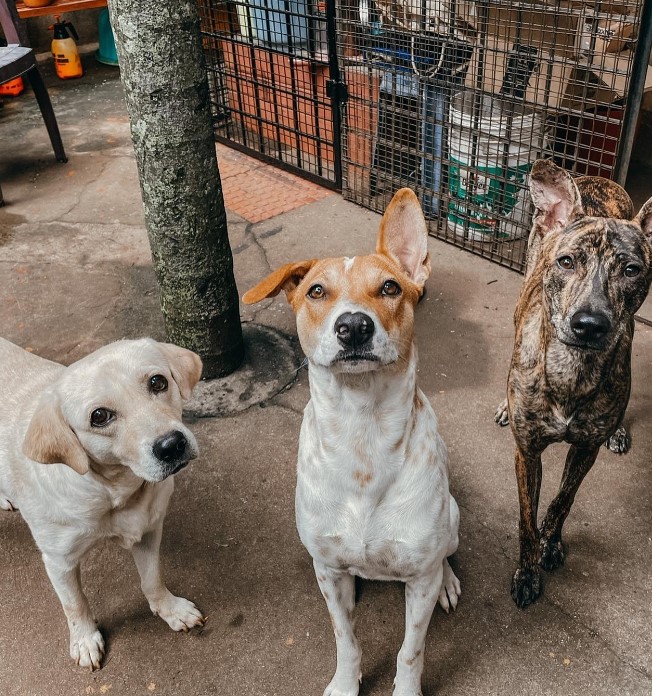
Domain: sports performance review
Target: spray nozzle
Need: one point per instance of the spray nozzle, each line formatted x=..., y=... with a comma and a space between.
x=61, y=29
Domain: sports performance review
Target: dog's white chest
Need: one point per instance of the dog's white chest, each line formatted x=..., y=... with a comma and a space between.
x=372, y=498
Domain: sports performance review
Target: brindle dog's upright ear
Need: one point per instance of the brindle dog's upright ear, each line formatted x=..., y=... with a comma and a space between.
x=644, y=219
x=557, y=203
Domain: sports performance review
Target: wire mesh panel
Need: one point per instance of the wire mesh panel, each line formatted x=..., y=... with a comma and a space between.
x=457, y=99
x=268, y=71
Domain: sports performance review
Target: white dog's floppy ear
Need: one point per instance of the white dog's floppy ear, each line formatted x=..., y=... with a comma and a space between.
x=286, y=278
x=555, y=196
x=403, y=234
x=50, y=440
x=185, y=366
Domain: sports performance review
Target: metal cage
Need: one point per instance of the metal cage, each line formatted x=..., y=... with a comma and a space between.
x=453, y=98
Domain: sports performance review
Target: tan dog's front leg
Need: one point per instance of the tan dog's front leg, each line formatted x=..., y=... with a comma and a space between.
x=86, y=642
x=421, y=595
x=338, y=589
x=180, y=614
x=526, y=583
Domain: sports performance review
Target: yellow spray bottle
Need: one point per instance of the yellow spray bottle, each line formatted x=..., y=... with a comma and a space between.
x=64, y=49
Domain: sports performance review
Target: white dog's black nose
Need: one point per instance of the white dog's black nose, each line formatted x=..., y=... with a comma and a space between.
x=590, y=326
x=171, y=447
x=354, y=329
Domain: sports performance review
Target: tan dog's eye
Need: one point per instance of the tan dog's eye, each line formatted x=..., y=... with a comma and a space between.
x=316, y=292
x=566, y=262
x=390, y=288
x=158, y=383
x=632, y=270
x=101, y=417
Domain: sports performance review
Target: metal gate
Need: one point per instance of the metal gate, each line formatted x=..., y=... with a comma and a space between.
x=274, y=83
x=453, y=98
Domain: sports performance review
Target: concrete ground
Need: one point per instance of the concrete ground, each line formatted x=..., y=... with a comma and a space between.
x=75, y=273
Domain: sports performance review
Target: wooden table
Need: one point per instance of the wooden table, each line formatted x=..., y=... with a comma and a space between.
x=57, y=7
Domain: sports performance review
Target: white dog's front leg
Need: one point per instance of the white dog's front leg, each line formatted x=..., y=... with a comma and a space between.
x=421, y=596
x=86, y=642
x=338, y=589
x=180, y=614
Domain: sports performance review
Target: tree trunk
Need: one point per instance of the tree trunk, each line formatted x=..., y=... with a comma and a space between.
x=166, y=89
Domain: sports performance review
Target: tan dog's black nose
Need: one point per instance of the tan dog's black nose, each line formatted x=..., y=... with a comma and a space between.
x=171, y=447
x=590, y=326
x=354, y=329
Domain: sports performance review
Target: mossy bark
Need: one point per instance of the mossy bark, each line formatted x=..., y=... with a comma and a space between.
x=166, y=89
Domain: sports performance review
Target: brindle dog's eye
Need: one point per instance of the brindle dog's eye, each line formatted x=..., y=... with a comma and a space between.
x=316, y=292
x=632, y=270
x=101, y=417
x=158, y=383
x=391, y=288
x=566, y=262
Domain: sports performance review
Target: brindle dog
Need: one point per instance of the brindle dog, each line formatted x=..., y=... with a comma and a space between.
x=588, y=271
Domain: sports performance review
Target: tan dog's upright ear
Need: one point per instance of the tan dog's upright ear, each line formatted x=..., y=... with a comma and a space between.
x=555, y=196
x=285, y=278
x=644, y=219
x=403, y=234
x=185, y=366
x=50, y=440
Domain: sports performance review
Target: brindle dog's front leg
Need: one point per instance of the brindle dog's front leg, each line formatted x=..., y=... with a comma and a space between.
x=578, y=463
x=526, y=584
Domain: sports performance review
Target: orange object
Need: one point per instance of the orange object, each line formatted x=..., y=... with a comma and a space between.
x=12, y=88
x=37, y=3
x=64, y=49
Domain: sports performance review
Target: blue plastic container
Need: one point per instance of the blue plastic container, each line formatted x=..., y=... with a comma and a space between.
x=280, y=22
x=106, y=52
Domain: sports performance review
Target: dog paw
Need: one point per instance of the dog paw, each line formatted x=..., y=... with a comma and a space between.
x=552, y=554
x=343, y=686
x=6, y=505
x=526, y=586
x=399, y=691
x=450, y=589
x=619, y=442
x=501, y=416
x=180, y=614
x=87, y=649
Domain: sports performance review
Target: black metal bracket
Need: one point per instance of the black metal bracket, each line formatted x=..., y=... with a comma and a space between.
x=336, y=89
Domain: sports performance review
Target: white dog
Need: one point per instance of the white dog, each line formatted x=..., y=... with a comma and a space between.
x=372, y=495
x=87, y=452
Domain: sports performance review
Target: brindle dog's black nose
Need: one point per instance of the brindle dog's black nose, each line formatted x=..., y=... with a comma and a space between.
x=354, y=329
x=590, y=326
x=171, y=447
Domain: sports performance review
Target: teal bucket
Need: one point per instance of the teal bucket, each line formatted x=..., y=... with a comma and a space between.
x=106, y=53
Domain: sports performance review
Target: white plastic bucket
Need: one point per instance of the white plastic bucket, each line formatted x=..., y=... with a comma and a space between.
x=491, y=152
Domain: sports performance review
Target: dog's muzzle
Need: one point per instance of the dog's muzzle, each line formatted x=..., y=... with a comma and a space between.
x=590, y=328
x=354, y=332
x=173, y=451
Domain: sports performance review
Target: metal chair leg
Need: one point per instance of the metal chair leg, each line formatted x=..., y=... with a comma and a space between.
x=43, y=99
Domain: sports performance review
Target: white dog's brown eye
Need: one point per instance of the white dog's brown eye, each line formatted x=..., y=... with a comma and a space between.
x=566, y=262
x=632, y=270
x=391, y=288
x=316, y=292
x=158, y=383
x=101, y=417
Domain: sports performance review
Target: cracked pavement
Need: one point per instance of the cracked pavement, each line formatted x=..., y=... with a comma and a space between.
x=75, y=273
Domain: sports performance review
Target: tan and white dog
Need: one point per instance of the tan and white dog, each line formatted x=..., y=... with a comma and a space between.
x=372, y=496
x=87, y=452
